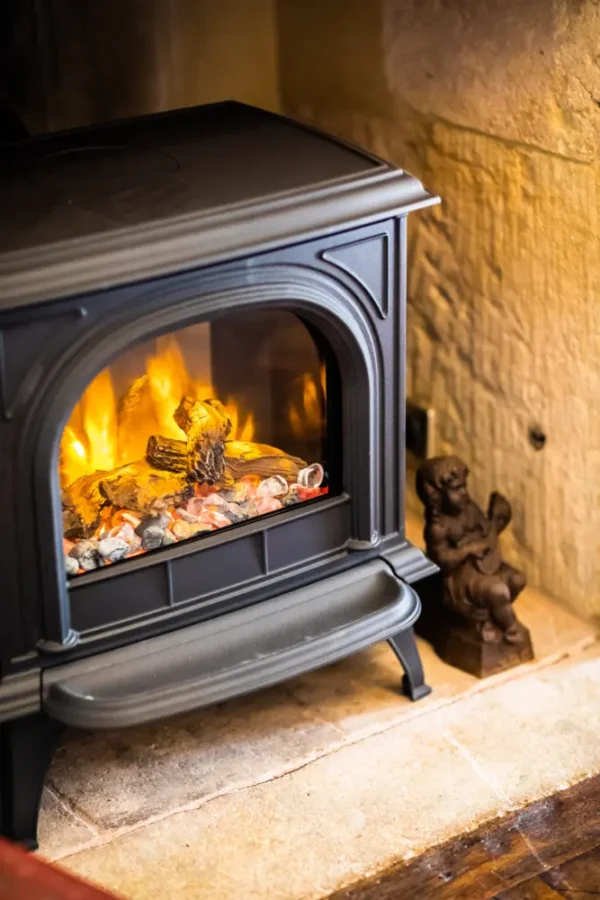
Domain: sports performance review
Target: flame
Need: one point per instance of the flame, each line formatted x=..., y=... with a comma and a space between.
x=74, y=455
x=168, y=381
x=309, y=414
x=100, y=422
x=104, y=432
x=239, y=431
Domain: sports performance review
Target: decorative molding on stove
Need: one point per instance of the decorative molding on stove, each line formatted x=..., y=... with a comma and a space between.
x=409, y=563
x=20, y=694
x=357, y=258
x=365, y=545
x=130, y=254
x=53, y=647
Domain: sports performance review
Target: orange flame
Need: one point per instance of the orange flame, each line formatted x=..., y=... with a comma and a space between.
x=309, y=413
x=100, y=422
x=239, y=431
x=168, y=381
x=103, y=432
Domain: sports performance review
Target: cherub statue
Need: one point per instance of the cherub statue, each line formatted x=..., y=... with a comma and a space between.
x=463, y=541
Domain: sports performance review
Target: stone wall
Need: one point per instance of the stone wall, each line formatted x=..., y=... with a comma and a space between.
x=496, y=106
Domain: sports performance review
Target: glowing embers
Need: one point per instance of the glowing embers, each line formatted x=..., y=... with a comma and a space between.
x=124, y=534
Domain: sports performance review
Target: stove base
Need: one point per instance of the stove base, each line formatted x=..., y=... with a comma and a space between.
x=413, y=683
x=27, y=746
x=213, y=661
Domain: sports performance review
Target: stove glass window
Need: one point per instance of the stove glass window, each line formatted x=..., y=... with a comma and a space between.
x=199, y=430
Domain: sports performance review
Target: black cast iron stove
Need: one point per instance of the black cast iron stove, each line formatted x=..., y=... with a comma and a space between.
x=201, y=422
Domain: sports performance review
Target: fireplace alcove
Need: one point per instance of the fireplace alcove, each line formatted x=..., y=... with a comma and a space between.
x=281, y=253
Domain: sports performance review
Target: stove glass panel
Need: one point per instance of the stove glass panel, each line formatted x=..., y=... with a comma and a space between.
x=199, y=430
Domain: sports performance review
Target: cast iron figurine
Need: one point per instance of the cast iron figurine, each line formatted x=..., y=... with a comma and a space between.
x=474, y=627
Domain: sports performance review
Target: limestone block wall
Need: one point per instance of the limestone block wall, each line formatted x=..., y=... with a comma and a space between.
x=496, y=106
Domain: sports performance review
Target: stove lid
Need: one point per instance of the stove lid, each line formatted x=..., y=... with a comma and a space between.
x=100, y=206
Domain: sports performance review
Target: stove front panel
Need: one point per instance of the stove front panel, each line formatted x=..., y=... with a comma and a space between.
x=276, y=382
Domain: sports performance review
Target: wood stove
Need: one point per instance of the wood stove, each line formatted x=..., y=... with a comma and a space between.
x=202, y=422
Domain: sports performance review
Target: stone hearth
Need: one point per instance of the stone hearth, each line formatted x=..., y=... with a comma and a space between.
x=327, y=780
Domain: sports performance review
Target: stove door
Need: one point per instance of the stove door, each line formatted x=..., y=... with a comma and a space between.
x=194, y=433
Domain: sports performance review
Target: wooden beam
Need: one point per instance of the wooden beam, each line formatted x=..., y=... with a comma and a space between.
x=498, y=855
x=532, y=890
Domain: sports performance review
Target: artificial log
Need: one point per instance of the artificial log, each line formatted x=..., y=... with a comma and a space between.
x=137, y=487
x=207, y=426
x=143, y=489
x=240, y=458
x=166, y=453
x=247, y=458
x=82, y=505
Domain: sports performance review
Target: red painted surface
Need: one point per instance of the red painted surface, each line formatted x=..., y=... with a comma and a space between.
x=27, y=877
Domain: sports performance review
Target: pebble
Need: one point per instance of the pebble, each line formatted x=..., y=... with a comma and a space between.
x=113, y=549
x=211, y=517
x=86, y=554
x=196, y=506
x=268, y=505
x=292, y=495
x=71, y=565
x=161, y=522
x=311, y=476
x=123, y=516
x=169, y=539
x=186, y=516
x=125, y=532
x=134, y=545
x=182, y=530
x=213, y=500
x=83, y=548
x=234, y=512
x=152, y=536
x=238, y=493
x=249, y=508
x=201, y=527
x=185, y=530
x=275, y=486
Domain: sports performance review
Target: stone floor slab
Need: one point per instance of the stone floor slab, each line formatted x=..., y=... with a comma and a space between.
x=61, y=831
x=359, y=810
x=119, y=778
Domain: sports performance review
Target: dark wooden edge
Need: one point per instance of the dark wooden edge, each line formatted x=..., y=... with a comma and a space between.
x=496, y=856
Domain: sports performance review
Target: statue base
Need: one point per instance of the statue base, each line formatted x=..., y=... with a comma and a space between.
x=463, y=648
x=460, y=644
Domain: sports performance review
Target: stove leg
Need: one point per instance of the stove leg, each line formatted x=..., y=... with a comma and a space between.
x=404, y=646
x=27, y=746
